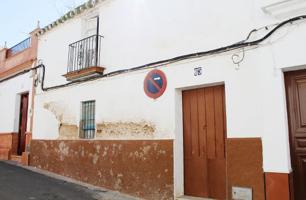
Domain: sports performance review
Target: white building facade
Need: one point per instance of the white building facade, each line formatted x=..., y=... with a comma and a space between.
x=105, y=129
x=17, y=98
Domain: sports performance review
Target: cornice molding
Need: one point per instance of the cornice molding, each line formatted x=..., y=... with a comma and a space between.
x=285, y=9
x=69, y=15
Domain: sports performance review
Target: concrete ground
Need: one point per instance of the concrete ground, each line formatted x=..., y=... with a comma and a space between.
x=20, y=183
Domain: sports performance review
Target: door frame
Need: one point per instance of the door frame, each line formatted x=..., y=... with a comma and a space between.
x=286, y=75
x=19, y=151
x=178, y=150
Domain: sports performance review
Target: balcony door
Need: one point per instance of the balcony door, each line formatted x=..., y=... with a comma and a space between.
x=88, y=49
x=91, y=26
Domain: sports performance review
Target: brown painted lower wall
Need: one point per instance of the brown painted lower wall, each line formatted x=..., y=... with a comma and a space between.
x=139, y=168
x=28, y=140
x=277, y=186
x=8, y=145
x=244, y=165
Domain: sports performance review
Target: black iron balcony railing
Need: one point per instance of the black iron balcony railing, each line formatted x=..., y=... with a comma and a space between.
x=19, y=47
x=84, y=53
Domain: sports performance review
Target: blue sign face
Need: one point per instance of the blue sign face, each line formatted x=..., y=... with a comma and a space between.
x=155, y=84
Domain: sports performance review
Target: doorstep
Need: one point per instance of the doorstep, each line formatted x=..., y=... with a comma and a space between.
x=21, y=159
x=191, y=198
x=16, y=158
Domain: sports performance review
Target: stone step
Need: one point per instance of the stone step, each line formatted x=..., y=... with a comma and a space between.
x=16, y=158
x=191, y=198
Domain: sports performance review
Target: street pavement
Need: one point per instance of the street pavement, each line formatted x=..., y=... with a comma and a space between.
x=17, y=183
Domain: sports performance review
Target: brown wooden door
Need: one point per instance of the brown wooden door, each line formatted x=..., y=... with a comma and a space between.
x=296, y=105
x=23, y=123
x=204, y=142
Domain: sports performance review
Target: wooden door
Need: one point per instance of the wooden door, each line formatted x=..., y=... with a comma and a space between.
x=204, y=142
x=23, y=123
x=296, y=106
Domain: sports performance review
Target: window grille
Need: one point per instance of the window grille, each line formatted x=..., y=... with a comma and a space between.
x=88, y=127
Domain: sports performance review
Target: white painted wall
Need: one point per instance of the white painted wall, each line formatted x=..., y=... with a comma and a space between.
x=10, y=92
x=140, y=31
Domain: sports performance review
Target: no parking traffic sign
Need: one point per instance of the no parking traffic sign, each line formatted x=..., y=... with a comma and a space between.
x=155, y=83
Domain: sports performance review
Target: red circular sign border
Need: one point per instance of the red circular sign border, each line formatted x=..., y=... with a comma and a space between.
x=162, y=90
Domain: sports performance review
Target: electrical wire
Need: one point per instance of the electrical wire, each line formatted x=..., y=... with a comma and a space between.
x=239, y=45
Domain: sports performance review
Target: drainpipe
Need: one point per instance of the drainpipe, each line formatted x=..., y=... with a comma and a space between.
x=34, y=45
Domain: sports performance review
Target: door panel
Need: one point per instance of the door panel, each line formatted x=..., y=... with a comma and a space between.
x=296, y=103
x=217, y=178
x=193, y=156
x=210, y=123
x=219, y=128
x=204, y=142
x=301, y=105
x=23, y=123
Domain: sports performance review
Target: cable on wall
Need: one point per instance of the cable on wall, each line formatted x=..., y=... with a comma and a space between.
x=239, y=45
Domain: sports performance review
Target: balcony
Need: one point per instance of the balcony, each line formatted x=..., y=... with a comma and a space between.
x=19, y=47
x=84, y=58
x=19, y=57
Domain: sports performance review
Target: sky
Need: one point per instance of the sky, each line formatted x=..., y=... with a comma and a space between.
x=19, y=17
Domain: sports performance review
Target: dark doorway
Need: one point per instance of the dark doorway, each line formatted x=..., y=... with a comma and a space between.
x=204, y=127
x=296, y=106
x=23, y=116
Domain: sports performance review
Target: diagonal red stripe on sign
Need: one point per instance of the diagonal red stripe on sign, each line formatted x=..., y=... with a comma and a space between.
x=154, y=83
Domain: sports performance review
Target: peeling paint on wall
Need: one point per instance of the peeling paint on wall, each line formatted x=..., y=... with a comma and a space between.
x=125, y=129
x=68, y=131
x=63, y=150
x=56, y=109
x=104, y=130
x=142, y=168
